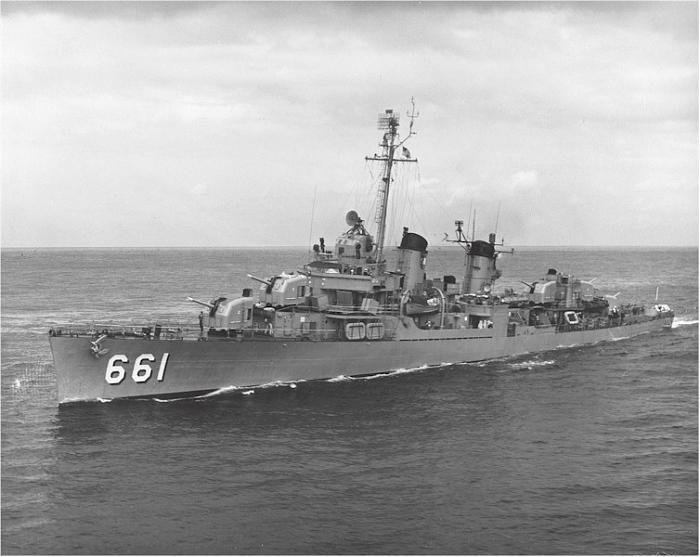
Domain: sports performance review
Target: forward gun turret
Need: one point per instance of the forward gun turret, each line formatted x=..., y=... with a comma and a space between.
x=263, y=281
x=200, y=302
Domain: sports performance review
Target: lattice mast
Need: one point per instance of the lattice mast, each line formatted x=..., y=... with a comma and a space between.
x=390, y=144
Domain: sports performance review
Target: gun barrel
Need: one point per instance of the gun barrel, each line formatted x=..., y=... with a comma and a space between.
x=200, y=302
x=259, y=279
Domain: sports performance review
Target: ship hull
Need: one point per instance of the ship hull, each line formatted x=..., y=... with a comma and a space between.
x=135, y=367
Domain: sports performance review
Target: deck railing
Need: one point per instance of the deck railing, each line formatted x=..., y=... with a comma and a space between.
x=165, y=330
x=188, y=331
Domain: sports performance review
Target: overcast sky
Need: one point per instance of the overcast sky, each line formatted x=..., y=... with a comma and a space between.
x=232, y=124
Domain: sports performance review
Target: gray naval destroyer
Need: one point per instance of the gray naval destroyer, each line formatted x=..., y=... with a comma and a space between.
x=351, y=311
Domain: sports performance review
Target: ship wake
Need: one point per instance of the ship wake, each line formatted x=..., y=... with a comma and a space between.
x=683, y=321
x=531, y=364
x=245, y=391
x=382, y=374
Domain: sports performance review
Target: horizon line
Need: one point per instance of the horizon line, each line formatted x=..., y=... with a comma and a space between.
x=606, y=246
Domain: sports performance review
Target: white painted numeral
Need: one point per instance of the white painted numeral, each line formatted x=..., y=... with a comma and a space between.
x=115, y=374
x=161, y=370
x=142, y=372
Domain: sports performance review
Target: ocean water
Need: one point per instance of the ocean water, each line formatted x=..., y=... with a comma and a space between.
x=590, y=450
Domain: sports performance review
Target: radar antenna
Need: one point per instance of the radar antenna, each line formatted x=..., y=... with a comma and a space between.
x=389, y=121
x=464, y=240
x=352, y=218
x=461, y=238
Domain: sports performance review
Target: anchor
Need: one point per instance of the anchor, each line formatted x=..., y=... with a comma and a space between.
x=95, y=347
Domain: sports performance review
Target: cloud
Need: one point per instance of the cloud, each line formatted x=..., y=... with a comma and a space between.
x=518, y=101
x=133, y=10
x=524, y=181
x=199, y=189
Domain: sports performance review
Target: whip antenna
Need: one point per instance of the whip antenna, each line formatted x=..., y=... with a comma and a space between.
x=498, y=214
x=311, y=225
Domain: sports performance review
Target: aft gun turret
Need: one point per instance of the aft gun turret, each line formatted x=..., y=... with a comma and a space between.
x=564, y=290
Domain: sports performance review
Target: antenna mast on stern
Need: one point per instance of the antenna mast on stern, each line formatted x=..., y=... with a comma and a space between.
x=389, y=121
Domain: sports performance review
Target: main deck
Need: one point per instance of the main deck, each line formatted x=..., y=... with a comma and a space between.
x=124, y=366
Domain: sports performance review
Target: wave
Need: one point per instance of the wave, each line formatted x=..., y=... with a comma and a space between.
x=683, y=321
x=490, y=361
x=279, y=384
x=400, y=371
x=389, y=373
x=217, y=392
x=231, y=389
x=22, y=380
x=210, y=394
x=26, y=330
x=529, y=364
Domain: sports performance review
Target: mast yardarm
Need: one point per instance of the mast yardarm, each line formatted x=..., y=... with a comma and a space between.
x=389, y=121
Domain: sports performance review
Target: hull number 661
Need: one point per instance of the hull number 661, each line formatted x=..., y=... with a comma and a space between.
x=141, y=372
